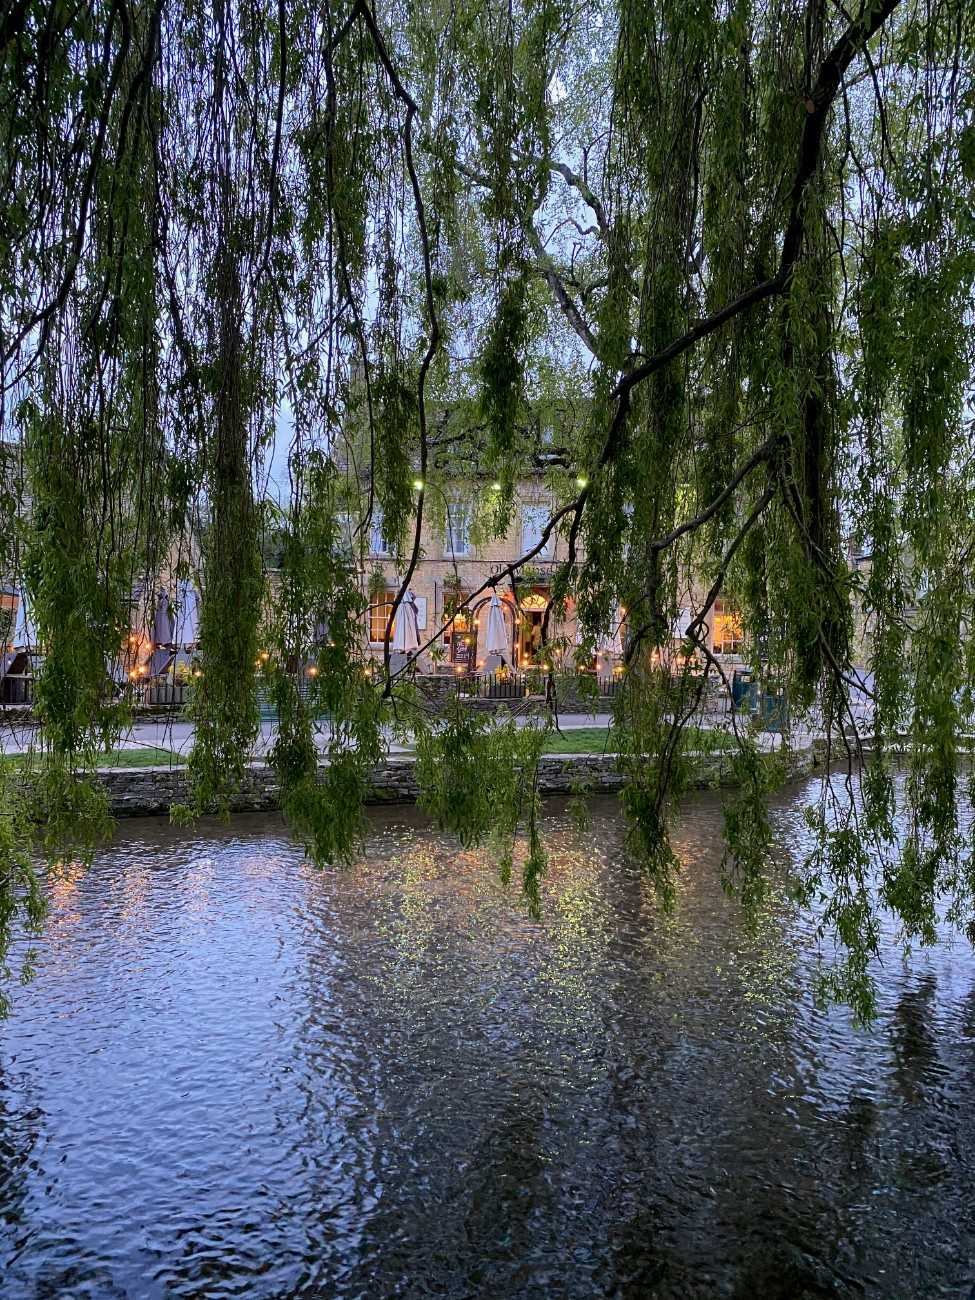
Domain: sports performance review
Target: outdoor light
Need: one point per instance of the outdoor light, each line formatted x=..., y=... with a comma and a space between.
x=495, y=487
x=418, y=484
x=581, y=481
x=458, y=668
x=312, y=671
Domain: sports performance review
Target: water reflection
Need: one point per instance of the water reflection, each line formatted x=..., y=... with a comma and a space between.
x=234, y=1075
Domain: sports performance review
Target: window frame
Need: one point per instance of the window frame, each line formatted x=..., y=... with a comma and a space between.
x=729, y=622
x=539, y=510
x=386, y=604
x=465, y=511
x=379, y=547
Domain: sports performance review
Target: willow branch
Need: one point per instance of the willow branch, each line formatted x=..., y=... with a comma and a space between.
x=559, y=292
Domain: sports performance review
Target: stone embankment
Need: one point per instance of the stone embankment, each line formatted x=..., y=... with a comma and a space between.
x=136, y=792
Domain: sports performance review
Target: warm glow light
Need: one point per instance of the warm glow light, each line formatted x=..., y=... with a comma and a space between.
x=312, y=671
x=459, y=668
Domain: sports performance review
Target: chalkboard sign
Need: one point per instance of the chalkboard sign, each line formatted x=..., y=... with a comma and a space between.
x=462, y=650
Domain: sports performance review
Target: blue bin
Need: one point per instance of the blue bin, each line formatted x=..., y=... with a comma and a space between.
x=774, y=711
x=743, y=690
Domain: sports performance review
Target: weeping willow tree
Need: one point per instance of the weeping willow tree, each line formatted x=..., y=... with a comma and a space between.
x=734, y=237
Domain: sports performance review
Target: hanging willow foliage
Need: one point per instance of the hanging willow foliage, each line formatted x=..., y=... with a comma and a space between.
x=358, y=244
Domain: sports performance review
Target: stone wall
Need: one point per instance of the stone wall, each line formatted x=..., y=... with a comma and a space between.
x=149, y=790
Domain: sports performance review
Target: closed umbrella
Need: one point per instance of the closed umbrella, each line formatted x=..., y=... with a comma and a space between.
x=611, y=642
x=406, y=632
x=187, y=617
x=9, y=655
x=496, y=637
x=163, y=632
x=24, y=638
x=25, y=635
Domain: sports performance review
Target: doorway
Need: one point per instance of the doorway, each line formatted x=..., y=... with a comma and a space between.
x=530, y=636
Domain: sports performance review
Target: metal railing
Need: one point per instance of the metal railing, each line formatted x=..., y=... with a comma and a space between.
x=164, y=695
x=516, y=685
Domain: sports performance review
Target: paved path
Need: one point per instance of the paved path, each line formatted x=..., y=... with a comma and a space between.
x=177, y=735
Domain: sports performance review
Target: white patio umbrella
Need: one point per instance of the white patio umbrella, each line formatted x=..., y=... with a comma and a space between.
x=187, y=616
x=496, y=641
x=406, y=631
x=611, y=642
x=24, y=637
x=25, y=634
x=163, y=632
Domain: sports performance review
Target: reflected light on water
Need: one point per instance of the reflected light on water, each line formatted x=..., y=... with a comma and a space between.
x=235, y=1074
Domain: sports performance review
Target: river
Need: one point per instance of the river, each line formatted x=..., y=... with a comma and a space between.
x=234, y=1075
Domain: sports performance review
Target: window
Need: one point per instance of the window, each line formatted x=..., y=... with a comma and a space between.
x=9, y=601
x=345, y=535
x=460, y=634
x=454, y=599
x=379, y=612
x=457, y=539
x=378, y=543
x=727, y=637
x=533, y=521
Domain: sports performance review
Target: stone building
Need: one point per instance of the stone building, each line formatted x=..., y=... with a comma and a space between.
x=456, y=561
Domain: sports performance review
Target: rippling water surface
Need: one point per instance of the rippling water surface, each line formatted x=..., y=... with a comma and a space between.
x=234, y=1075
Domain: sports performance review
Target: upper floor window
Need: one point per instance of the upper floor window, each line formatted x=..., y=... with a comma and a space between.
x=533, y=521
x=345, y=534
x=378, y=544
x=457, y=526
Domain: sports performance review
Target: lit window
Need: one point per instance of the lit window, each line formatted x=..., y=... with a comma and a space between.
x=460, y=634
x=379, y=612
x=461, y=620
x=727, y=639
x=9, y=602
x=533, y=521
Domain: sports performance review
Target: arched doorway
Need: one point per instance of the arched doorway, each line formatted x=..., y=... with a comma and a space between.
x=531, y=615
